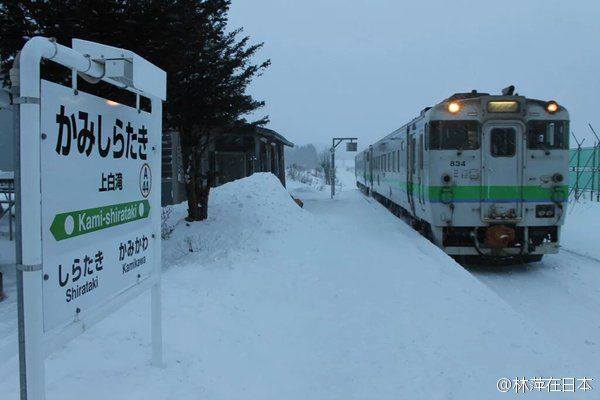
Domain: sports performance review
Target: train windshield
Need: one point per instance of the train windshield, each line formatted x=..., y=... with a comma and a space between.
x=453, y=135
x=548, y=135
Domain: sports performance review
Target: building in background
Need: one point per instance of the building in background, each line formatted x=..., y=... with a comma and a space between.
x=231, y=155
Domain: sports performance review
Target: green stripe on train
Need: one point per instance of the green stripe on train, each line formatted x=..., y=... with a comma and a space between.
x=478, y=193
x=499, y=193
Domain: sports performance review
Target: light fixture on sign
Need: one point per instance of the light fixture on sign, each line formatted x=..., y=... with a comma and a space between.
x=112, y=103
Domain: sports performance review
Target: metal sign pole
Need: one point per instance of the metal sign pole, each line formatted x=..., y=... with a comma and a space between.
x=28, y=206
x=155, y=293
x=350, y=146
x=332, y=172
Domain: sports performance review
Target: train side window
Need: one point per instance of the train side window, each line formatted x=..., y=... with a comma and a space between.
x=426, y=133
x=454, y=135
x=503, y=142
x=548, y=135
x=389, y=162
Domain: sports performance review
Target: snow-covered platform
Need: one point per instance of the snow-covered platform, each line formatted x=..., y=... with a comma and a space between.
x=339, y=300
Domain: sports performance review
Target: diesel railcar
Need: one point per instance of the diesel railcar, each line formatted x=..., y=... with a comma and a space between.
x=479, y=174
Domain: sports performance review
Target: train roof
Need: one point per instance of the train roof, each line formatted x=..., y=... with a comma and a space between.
x=439, y=110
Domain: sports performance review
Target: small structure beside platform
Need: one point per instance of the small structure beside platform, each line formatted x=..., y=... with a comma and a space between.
x=238, y=154
x=231, y=155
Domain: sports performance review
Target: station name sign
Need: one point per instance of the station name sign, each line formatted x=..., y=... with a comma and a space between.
x=97, y=162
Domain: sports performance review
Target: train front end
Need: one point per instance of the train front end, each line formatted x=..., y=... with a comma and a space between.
x=497, y=169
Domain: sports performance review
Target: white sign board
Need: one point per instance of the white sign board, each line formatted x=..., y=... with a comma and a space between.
x=97, y=166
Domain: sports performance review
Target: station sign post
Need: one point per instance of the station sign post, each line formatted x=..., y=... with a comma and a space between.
x=351, y=146
x=88, y=197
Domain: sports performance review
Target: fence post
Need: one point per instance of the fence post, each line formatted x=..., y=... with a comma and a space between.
x=596, y=167
x=595, y=164
x=593, y=170
x=577, y=171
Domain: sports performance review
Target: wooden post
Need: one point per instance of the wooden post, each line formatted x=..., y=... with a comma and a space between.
x=256, y=164
x=268, y=156
x=2, y=296
x=281, y=157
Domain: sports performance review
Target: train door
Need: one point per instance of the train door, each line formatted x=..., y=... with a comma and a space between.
x=410, y=171
x=502, y=173
x=365, y=165
x=421, y=188
x=371, y=162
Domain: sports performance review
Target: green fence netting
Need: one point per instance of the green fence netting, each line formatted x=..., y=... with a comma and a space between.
x=584, y=176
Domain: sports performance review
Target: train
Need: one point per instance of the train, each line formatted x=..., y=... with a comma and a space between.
x=480, y=175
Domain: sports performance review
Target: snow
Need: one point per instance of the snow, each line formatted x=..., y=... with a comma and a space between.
x=581, y=232
x=338, y=300
x=561, y=295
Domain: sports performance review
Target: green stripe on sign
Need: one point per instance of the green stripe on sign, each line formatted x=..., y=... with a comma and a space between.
x=77, y=223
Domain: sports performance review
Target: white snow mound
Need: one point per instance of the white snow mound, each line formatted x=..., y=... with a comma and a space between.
x=243, y=214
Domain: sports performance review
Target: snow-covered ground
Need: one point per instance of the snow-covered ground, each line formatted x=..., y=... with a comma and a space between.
x=561, y=294
x=339, y=300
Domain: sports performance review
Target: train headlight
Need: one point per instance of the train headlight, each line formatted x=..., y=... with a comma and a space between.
x=454, y=107
x=552, y=107
x=558, y=178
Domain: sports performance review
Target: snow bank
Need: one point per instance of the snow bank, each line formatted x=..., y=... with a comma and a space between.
x=243, y=216
x=580, y=232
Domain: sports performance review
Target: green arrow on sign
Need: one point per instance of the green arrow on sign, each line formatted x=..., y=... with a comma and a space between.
x=77, y=223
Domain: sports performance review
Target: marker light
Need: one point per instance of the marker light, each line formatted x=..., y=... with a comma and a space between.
x=552, y=107
x=454, y=107
x=558, y=178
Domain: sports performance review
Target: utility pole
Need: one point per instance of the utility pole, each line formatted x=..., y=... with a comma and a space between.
x=350, y=146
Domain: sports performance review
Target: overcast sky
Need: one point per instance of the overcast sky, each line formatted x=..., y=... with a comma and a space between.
x=363, y=68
